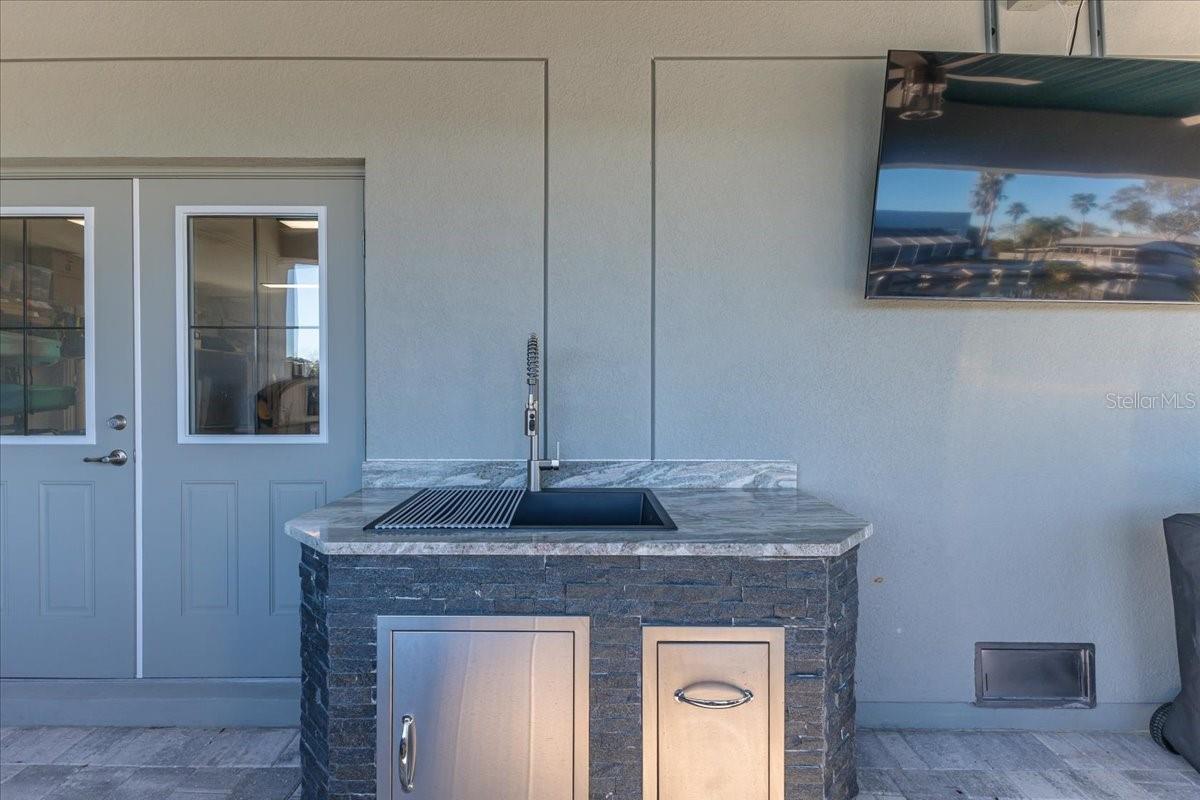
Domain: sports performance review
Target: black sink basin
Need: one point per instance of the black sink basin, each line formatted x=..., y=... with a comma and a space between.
x=591, y=508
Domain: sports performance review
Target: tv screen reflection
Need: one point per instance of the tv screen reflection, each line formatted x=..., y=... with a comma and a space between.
x=1011, y=177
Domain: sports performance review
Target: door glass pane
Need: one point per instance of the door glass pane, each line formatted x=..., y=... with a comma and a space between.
x=289, y=291
x=222, y=271
x=12, y=382
x=256, y=316
x=43, y=363
x=54, y=273
x=223, y=380
x=12, y=272
x=289, y=383
x=54, y=394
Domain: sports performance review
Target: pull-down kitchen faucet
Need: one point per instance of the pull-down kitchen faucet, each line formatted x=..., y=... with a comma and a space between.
x=532, y=421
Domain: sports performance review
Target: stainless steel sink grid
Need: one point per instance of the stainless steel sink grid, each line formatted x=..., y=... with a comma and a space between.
x=452, y=508
x=578, y=509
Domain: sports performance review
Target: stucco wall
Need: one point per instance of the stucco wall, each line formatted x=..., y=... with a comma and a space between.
x=678, y=193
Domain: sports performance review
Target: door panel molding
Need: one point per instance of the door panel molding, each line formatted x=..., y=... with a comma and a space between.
x=66, y=548
x=209, y=520
x=288, y=499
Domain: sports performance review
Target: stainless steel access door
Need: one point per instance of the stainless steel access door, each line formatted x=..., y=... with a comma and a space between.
x=482, y=707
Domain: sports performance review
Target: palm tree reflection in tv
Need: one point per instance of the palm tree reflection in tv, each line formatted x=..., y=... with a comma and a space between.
x=1153, y=254
x=987, y=194
x=1084, y=203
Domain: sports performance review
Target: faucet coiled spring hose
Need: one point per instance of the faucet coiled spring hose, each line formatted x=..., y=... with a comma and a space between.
x=531, y=360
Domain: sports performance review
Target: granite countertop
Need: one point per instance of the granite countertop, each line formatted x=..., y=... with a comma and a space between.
x=752, y=522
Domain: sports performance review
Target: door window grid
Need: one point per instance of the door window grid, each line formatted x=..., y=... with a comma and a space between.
x=45, y=364
x=254, y=360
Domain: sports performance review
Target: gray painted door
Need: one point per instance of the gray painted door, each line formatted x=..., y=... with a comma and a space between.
x=66, y=527
x=224, y=473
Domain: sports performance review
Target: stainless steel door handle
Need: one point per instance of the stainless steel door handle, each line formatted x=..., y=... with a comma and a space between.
x=407, y=752
x=747, y=696
x=117, y=458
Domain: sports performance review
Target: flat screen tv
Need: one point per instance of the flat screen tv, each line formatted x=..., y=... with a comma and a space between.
x=1018, y=177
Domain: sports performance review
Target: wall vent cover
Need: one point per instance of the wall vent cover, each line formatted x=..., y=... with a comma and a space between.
x=1035, y=675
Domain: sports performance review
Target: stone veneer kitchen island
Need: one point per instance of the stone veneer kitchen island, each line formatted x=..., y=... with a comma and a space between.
x=762, y=555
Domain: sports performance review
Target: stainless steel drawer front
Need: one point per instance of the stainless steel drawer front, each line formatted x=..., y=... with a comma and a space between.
x=713, y=713
x=701, y=752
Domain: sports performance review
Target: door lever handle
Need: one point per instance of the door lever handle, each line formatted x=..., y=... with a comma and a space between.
x=408, y=752
x=117, y=458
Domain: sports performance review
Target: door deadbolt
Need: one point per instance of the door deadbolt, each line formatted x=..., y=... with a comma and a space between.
x=117, y=422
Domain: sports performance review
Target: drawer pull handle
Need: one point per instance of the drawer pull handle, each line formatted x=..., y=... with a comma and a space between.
x=747, y=696
x=408, y=752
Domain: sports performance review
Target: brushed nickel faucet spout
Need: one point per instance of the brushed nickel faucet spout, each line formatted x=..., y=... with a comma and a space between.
x=536, y=463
